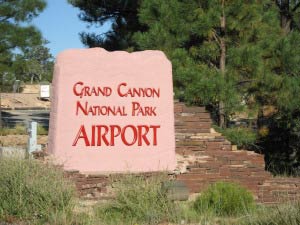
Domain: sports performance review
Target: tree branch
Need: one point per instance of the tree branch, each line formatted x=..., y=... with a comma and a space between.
x=216, y=38
x=5, y=18
x=296, y=7
x=278, y=4
x=244, y=81
x=212, y=65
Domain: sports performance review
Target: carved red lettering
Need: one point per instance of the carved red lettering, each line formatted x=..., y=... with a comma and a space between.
x=81, y=134
x=137, y=110
x=143, y=136
x=103, y=135
x=123, y=137
x=113, y=135
x=75, y=89
x=155, y=134
x=119, y=90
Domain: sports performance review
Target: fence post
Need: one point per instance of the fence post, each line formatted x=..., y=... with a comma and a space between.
x=32, y=140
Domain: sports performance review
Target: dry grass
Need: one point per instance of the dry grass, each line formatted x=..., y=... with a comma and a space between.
x=32, y=191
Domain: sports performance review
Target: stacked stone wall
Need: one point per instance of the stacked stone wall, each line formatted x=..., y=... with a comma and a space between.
x=208, y=158
x=204, y=157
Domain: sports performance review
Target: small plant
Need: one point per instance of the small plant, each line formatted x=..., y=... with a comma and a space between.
x=225, y=199
x=17, y=130
x=20, y=129
x=32, y=191
x=138, y=200
x=41, y=130
x=284, y=214
x=240, y=136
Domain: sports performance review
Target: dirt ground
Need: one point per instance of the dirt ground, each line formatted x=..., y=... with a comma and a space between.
x=28, y=98
x=20, y=140
x=10, y=100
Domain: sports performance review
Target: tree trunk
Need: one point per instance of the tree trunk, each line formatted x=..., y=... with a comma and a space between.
x=286, y=23
x=285, y=16
x=222, y=117
x=260, y=118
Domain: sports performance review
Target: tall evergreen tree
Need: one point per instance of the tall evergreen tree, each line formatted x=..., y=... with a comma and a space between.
x=226, y=54
x=36, y=63
x=123, y=16
x=221, y=50
x=282, y=144
x=289, y=14
x=14, y=34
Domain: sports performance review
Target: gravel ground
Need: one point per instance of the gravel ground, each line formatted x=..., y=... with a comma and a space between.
x=11, y=100
x=20, y=140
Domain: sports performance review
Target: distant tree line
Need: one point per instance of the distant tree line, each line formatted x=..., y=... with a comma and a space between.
x=232, y=56
x=23, y=55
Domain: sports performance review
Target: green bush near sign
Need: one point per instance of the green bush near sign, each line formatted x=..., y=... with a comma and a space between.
x=240, y=136
x=225, y=199
x=34, y=193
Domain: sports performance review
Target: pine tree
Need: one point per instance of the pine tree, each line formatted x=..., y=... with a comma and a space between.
x=35, y=63
x=121, y=13
x=14, y=34
x=228, y=55
x=221, y=50
x=282, y=146
x=289, y=14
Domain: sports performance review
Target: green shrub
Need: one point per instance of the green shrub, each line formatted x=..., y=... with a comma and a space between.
x=138, y=200
x=18, y=130
x=30, y=190
x=240, y=136
x=21, y=130
x=41, y=130
x=224, y=199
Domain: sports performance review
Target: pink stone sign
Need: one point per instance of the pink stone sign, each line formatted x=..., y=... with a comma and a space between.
x=112, y=111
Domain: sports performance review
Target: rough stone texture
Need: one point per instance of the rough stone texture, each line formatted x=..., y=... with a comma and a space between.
x=204, y=158
x=100, y=186
x=208, y=158
x=90, y=186
x=92, y=141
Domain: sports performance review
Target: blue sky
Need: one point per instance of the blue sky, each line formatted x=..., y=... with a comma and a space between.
x=60, y=25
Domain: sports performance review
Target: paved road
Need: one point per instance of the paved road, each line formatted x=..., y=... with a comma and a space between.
x=13, y=117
